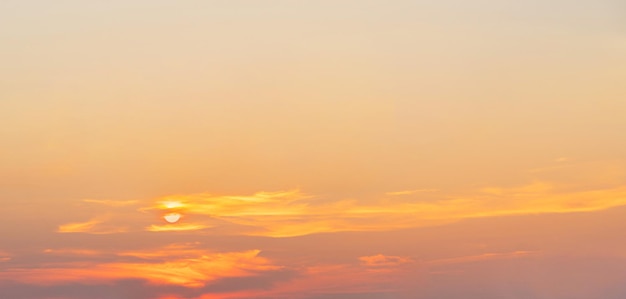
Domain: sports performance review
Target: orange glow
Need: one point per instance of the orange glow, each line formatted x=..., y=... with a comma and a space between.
x=185, y=267
x=171, y=204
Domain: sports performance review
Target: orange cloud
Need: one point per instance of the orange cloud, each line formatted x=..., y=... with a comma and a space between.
x=183, y=266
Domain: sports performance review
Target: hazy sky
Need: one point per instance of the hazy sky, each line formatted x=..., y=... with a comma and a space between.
x=313, y=149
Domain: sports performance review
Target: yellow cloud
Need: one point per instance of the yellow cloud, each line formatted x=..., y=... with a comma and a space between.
x=78, y=227
x=292, y=213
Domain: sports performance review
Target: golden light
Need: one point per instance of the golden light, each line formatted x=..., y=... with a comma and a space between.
x=172, y=217
x=172, y=204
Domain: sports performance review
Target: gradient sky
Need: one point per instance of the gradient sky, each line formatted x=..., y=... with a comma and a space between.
x=314, y=149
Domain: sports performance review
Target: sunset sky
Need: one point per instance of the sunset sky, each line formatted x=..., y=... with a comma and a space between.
x=313, y=149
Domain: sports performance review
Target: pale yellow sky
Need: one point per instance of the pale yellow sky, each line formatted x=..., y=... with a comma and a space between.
x=348, y=100
x=271, y=119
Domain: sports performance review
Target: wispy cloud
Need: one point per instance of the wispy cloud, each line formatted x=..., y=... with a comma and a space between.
x=176, y=227
x=79, y=227
x=93, y=226
x=73, y=252
x=409, y=192
x=292, y=213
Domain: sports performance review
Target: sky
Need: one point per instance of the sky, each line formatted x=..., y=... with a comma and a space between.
x=312, y=149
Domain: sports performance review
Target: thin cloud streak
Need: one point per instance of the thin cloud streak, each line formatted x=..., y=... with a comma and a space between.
x=410, y=192
x=73, y=252
x=291, y=213
x=93, y=226
x=176, y=227
x=381, y=260
x=79, y=227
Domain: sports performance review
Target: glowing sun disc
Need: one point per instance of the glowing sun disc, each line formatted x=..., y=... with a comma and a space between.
x=172, y=217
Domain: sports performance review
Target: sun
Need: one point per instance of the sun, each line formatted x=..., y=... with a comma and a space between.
x=172, y=217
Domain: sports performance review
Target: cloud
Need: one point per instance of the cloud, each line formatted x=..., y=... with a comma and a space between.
x=174, y=265
x=93, y=226
x=292, y=213
x=73, y=252
x=338, y=280
x=169, y=251
x=79, y=227
x=176, y=227
x=380, y=260
x=546, y=276
x=483, y=257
